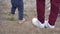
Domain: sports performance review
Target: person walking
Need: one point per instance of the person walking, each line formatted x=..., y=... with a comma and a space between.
x=40, y=20
x=18, y=4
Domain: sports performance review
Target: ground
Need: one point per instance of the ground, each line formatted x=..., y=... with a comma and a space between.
x=9, y=26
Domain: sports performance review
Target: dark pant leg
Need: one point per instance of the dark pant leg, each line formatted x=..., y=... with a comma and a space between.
x=13, y=9
x=40, y=10
x=20, y=9
x=54, y=12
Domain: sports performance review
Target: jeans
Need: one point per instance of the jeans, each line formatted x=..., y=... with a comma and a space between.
x=17, y=4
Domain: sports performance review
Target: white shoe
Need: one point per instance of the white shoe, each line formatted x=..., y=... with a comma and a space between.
x=48, y=25
x=37, y=23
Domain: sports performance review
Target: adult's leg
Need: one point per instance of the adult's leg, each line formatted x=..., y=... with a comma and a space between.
x=54, y=12
x=40, y=10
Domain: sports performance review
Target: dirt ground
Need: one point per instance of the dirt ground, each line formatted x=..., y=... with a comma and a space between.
x=8, y=26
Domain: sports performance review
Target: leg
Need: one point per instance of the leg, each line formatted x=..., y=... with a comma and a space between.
x=41, y=10
x=20, y=9
x=54, y=11
x=40, y=14
x=13, y=9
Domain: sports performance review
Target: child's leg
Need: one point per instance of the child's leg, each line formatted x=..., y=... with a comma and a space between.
x=20, y=9
x=54, y=12
x=41, y=10
x=13, y=9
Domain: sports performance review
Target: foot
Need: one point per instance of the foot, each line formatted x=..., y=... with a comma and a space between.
x=47, y=25
x=21, y=21
x=37, y=23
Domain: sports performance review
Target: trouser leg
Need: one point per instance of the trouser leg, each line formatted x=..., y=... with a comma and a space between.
x=40, y=10
x=54, y=12
x=21, y=10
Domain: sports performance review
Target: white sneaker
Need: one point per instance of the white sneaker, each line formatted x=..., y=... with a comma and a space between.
x=48, y=25
x=37, y=23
